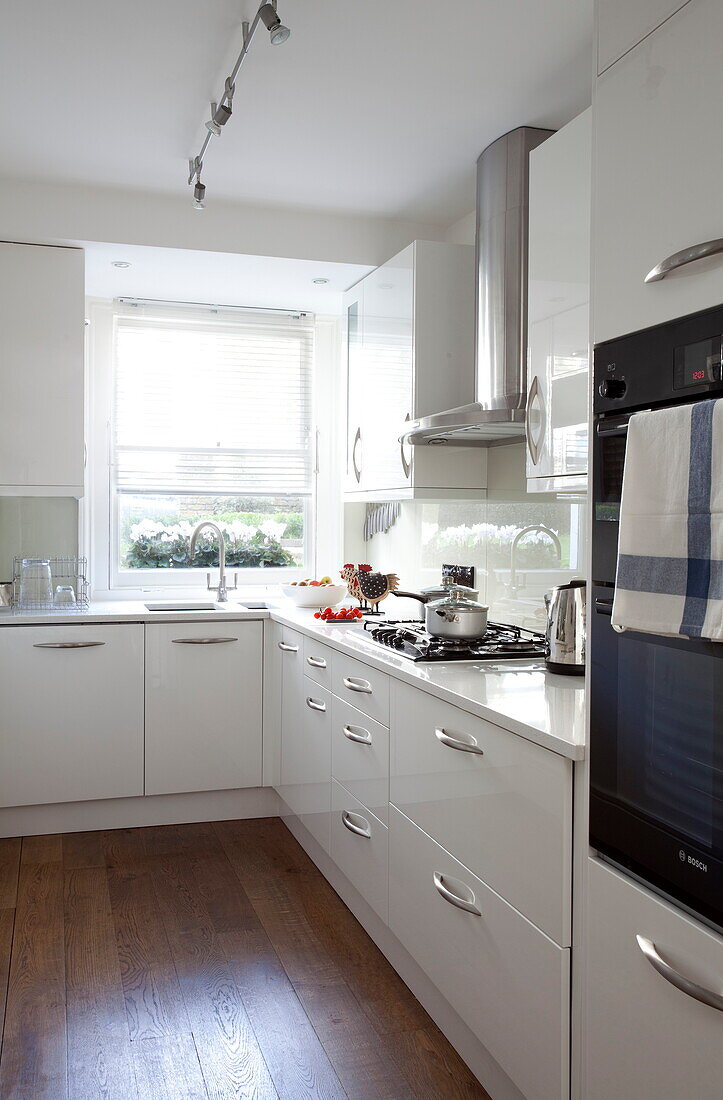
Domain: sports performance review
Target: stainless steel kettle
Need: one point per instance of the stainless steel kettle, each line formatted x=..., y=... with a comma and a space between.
x=565, y=633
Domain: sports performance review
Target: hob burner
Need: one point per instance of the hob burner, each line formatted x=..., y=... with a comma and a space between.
x=501, y=642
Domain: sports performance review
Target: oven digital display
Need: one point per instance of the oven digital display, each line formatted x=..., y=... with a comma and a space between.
x=698, y=364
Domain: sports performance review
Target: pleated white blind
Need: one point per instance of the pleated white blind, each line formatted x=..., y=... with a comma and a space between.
x=212, y=402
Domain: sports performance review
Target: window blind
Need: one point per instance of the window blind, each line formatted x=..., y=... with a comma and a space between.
x=212, y=402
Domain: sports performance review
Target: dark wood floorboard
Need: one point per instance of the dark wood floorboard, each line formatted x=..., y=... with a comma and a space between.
x=200, y=961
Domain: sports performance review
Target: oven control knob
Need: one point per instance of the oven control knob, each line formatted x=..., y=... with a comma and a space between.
x=613, y=388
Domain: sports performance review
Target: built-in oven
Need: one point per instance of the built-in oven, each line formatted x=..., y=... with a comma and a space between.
x=656, y=721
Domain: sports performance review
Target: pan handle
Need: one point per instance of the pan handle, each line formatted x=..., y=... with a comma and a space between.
x=412, y=596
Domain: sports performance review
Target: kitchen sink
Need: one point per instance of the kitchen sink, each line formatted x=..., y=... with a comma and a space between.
x=187, y=605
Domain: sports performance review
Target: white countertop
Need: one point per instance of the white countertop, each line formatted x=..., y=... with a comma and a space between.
x=521, y=696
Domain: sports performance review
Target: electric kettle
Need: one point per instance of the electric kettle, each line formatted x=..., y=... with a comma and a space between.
x=565, y=633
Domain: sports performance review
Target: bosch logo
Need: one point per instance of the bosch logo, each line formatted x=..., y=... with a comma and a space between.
x=698, y=864
x=681, y=856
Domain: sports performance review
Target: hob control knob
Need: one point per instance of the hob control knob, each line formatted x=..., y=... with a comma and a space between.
x=613, y=388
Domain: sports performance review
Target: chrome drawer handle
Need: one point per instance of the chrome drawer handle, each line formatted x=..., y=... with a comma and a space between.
x=314, y=704
x=202, y=641
x=316, y=662
x=288, y=648
x=349, y=820
x=355, y=684
x=686, y=985
x=454, y=899
x=457, y=743
x=685, y=256
x=356, y=733
x=65, y=645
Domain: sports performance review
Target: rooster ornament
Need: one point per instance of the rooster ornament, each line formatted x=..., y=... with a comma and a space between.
x=367, y=586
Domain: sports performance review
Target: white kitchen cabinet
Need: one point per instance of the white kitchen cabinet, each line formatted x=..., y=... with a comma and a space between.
x=645, y=1037
x=621, y=25
x=360, y=848
x=42, y=304
x=657, y=173
x=409, y=338
x=71, y=726
x=306, y=759
x=500, y=804
x=505, y=978
x=559, y=308
x=360, y=757
x=361, y=685
x=203, y=706
x=318, y=661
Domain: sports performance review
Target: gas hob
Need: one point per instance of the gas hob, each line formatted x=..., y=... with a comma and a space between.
x=501, y=642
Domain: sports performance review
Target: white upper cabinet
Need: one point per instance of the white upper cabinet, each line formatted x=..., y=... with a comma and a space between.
x=622, y=24
x=649, y=1032
x=42, y=304
x=409, y=340
x=559, y=307
x=658, y=167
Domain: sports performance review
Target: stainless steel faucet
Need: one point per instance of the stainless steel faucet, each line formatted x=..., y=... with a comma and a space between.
x=222, y=595
x=513, y=550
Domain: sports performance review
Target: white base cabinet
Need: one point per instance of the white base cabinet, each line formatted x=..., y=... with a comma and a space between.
x=306, y=750
x=508, y=981
x=359, y=847
x=71, y=721
x=203, y=706
x=646, y=1038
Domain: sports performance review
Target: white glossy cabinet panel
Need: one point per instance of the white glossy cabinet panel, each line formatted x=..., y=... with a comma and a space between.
x=203, y=706
x=504, y=810
x=508, y=981
x=621, y=25
x=42, y=306
x=366, y=688
x=318, y=661
x=360, y=848
x=306, y=760
x=360, y=757
x=559, y=305
x=71, y=726
x=658, y=168
x=645, y=1038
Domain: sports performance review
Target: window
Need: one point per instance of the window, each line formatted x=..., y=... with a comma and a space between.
x=210, y=416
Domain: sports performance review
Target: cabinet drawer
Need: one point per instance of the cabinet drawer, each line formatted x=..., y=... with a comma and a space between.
x=505, y=812
x=359, y=847
x=362, y=686
x=508, y=981
x=317, y=661
x=360, y=757
x=665, y=1042
x=306, y=761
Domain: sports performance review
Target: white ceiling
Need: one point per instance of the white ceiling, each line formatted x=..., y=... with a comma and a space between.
x=373, y=106
x=219, y=278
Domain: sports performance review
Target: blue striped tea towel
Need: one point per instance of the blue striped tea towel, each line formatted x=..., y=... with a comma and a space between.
x=670, y=553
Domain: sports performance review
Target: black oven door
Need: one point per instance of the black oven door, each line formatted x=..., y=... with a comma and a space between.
x=656, y=758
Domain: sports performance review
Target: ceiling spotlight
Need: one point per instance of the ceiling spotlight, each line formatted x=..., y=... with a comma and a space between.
x=320, y=282
x=119, y=263
x=278, y=33
x=199, y=196
x=220, y=117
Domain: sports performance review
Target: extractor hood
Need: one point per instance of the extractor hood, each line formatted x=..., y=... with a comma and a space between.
x=498, y=414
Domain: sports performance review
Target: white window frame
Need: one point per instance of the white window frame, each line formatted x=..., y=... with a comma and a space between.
x=98, y=520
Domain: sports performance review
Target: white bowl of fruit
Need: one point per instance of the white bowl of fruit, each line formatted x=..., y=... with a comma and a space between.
x=311, y=593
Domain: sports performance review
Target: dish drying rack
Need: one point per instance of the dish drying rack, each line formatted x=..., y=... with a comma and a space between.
x=64, y=570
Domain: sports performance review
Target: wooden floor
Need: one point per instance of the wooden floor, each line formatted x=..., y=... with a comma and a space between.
x=208, y=960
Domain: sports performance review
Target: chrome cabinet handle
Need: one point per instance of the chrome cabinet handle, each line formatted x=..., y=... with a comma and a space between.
x=468, y=903
x=202, y=641
x=316, y=662
x=686, y=985
x=65, y=645
x=355, y=684
x=349, y=820
x=685, y=256
x=314, y=704
x=288, y=648
x=357, y=734
x=469, y=745
x=406, y=466
x=357, y=469
x=534, y=448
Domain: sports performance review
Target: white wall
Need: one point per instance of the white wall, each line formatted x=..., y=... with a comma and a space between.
x=462, y=231
x=33, y=527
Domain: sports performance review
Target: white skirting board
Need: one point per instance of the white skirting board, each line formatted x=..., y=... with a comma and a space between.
x=131, y=813
x=467, y=1045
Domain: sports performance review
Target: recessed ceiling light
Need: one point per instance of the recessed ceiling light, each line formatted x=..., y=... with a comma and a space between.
x=119, y=263
x=320, y=281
